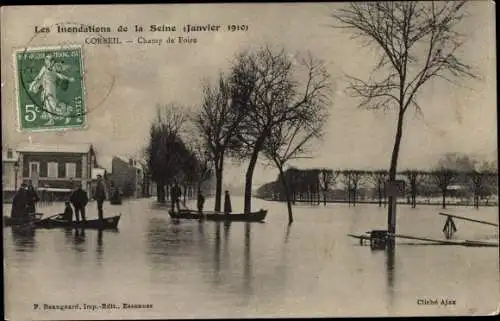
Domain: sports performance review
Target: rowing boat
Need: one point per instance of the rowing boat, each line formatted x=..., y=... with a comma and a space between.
x=189, y=214
x=57, y=221
x=104, y=224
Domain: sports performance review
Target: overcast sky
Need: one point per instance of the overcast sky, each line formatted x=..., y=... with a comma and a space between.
x=125, y=83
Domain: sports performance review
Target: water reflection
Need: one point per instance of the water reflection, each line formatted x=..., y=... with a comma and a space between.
x=79, y=240
x=166, y=239
x=390, y=271
x=273, y=268
x=287, y=234
x=217, y=260
x=24, y=239
x=99, y=248
x=227, y=227
x=247, y=265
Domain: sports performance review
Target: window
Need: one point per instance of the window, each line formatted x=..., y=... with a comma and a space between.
x=52, y=169
x=70, y=170
x=34, y=169
x=9, y=153
x=61, y=173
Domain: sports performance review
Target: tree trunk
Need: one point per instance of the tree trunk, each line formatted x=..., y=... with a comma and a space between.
x=444, y=197
x=391, y=221
x=219, y=167
x=249, y=177
x=287, y=194
x=324, y=197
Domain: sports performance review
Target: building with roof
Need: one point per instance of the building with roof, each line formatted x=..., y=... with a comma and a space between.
x=56, y=167
x=127, y=174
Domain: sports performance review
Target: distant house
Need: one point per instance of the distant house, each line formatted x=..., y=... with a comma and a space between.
x=9, y=159
x=57, y=167
x=128, y=175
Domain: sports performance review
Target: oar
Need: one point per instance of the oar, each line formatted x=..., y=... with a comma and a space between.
x=43, y=219
x=36, y=220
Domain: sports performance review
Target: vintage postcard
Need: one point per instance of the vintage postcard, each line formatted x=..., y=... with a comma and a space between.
x=249, y=160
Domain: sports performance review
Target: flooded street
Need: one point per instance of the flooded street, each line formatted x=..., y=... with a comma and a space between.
x=208, y=269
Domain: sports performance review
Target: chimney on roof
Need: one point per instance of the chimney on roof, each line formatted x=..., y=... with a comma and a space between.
x=131, y=162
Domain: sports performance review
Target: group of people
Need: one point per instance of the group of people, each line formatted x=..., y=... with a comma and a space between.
x=25, y=199
x=79, y=200
x=176, y=193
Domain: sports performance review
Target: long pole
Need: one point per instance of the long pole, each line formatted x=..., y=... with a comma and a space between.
x=468, y=219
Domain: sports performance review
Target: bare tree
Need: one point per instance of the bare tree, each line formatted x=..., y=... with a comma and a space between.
x=418, y=43
x=166, y=150
x=218, y=122
x=288, y=140
x=443, y=178
x=270, y=91
x=172, y=116
x=356, y=179
x=202, y=162
x=327, y=178
x=414, y=177
x=379, y=178
x=346, y=181
x=480, y=179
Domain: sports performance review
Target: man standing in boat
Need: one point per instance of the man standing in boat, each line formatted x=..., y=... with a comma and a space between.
x=227, y=203
x=175, y=194
x=79, y=199
x=200, y=202
x=100, y=196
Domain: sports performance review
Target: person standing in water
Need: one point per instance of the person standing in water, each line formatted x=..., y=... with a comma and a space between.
x=201, y=201
x=175, y=194
x=100, y=196
x=79, y=199
x=227, y=203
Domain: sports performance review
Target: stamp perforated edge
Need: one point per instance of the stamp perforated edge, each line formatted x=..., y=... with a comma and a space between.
x=16, y=87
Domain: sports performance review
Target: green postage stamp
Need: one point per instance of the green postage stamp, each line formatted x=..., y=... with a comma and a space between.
x=50, y=88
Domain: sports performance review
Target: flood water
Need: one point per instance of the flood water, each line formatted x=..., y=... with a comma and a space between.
x=208, y=269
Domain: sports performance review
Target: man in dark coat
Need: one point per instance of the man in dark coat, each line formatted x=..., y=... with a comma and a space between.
x=32, y=199
x=227, y=203
x=175, y=194
x=100, y=196
x=79, y=199
x=19, y=202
